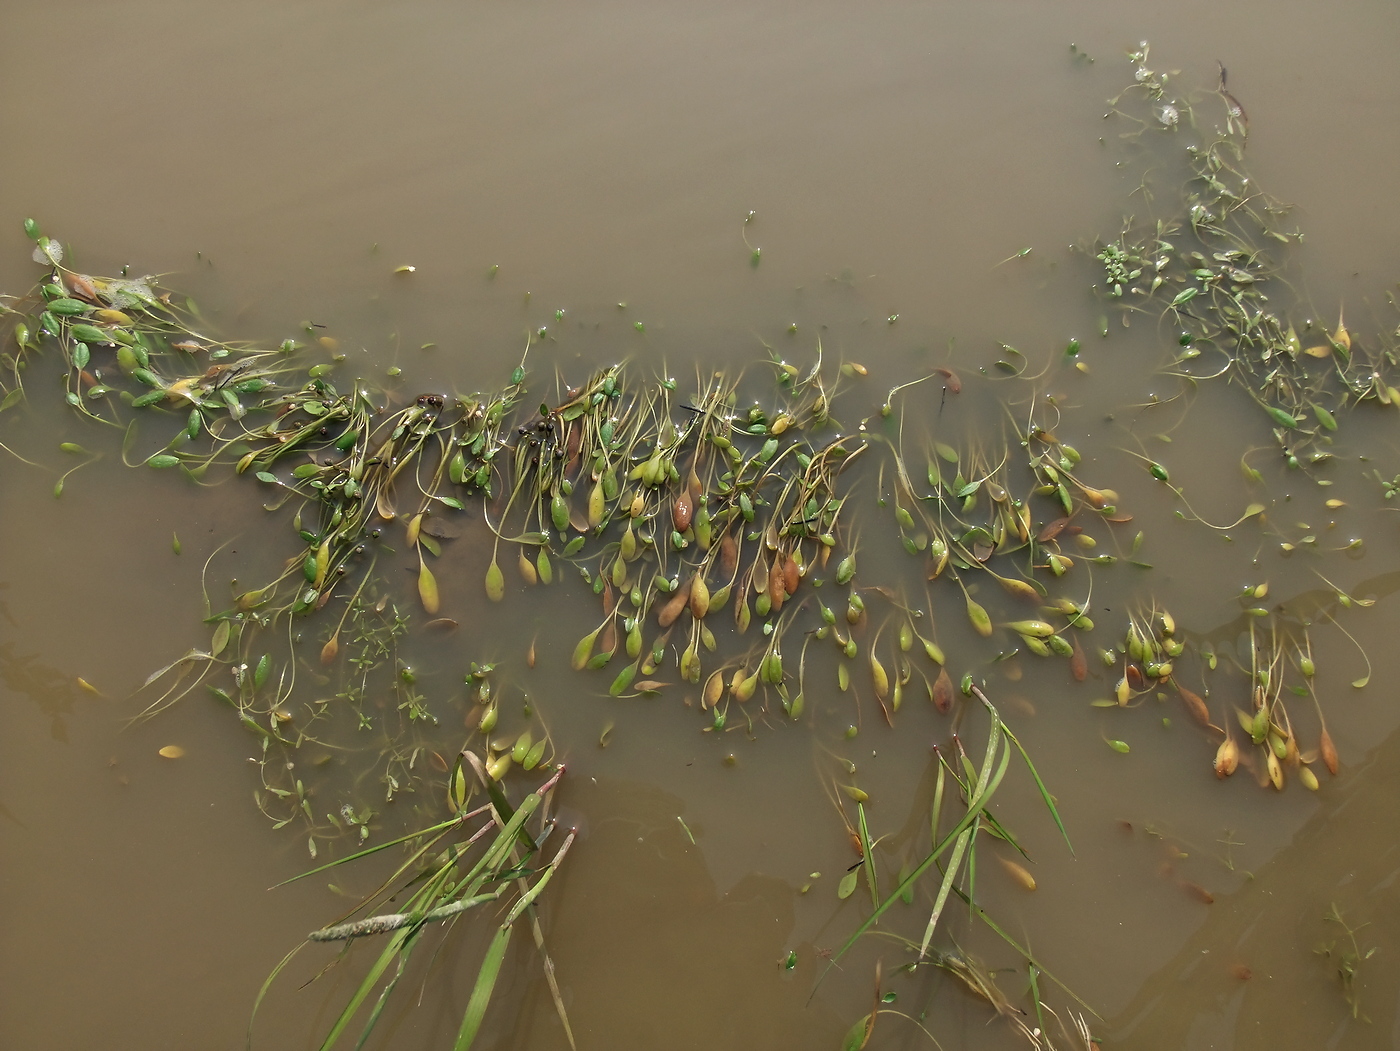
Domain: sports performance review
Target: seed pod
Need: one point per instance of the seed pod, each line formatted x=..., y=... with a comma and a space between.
x=623, y=680
x=1275, y=769
x=934, y=652
x=906, y=637
x=719, y=598
x=1078, y=664
x=597, y=505
x=699, y=598
x=792, y=574
x=1018, y=873
x=690, y=665
x=704, y=533
x=1328, y=751
x=881, y=679
x=1194, y=704
x=527, y=569
x=1227, y=758
x=745, y=687
x=679, y=599
x=498, y=768
x=634, y=638
x=714, y=690
x=1308, y=779
x=728, y=555
x=627, y=546
x=1019, y=589
x=427, y=589
x=979, y=617
x=938, y=558
x=942, y=693
x=1036, y=646
x=1198, y=892
x=777, y=588
x=846, y=569
x=1037, y=628
x=682, y=511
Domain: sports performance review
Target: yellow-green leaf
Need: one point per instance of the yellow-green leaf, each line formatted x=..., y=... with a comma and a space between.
x=427, y=588
x=495, y=582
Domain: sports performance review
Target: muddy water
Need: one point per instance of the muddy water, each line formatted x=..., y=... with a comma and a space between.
x=281, y=164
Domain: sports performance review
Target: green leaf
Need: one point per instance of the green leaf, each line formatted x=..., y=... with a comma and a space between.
x=859, y=1034
x=847, y=886
x=495, y=582
x=1282, y=418
x=163, y=460
x=89, y=334
x=623, y=680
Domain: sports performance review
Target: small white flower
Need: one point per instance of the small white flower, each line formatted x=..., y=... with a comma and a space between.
x=1168, y=115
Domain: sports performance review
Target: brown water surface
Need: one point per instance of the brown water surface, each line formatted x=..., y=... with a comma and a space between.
x=280, y=161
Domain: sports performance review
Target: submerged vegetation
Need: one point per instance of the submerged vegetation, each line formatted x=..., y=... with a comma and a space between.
x=715, y=527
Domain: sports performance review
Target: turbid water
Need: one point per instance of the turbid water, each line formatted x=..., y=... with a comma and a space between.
x=281, y=165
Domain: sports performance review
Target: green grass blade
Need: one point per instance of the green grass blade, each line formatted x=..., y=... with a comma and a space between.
x=433, y=830
x=397, y=942
x=981, y=914
x=867, y=855
x=977, y=805
x=378, y=1010
x=948, y=877
x=1035, y=774
x=528, y=898
x=937, y=809
x=972, y=858
x=481, y=991
x=1031, y=972
x=1044, y=792
x=266, y=985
